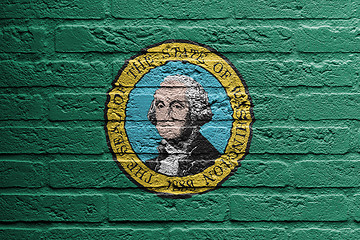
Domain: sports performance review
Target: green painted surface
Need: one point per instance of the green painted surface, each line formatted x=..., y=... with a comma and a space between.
x=300, y=60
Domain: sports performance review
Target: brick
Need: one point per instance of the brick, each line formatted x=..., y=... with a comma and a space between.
x=327, y=73
x=274, y=139
x=288, y=9
x=241, y=39
x=20, y=233
x=87, y=174
x=269, y=73
x=355, y=234
x=259, y=173
x=16, y=9
x=103, y=174
x=149, y=207
x=219, y=102
x=266, y=106
x=55, y=73
x=327, y=106
x=356, y=9
x=53, y=9
x=267, y=139
x=196, y=72
x=356, y=138
x=227, y=233
x=78, y=9
x=21, y=106
x=271, y=106
x=277, y=139
x=22, y=174
x=149, y=142
x=123, y=39
x=24, y=40
x=326, y=174
x=59, y=208
x=106, y=233
x=321, y=233
x=173, y=9
x=321, y=208
x=52, y=140
x=75, y=106
x=327, y=39
x=356, y=202
x=259, y=9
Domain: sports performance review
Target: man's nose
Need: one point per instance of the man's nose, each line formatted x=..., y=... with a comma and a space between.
x=167, y=114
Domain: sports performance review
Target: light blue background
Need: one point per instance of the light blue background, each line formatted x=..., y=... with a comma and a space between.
x=144, y=137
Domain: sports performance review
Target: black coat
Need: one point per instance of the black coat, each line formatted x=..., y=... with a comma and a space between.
x=202, y=155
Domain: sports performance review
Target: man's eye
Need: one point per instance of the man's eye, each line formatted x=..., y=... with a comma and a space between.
x=160, y=105
x=178, y=106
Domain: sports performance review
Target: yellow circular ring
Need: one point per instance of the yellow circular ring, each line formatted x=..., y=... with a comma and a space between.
x=238, y=144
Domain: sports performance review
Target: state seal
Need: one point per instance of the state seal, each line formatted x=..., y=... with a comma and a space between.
x=178, y=118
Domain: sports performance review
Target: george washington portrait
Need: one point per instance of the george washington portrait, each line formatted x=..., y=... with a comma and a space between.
x=179, y=109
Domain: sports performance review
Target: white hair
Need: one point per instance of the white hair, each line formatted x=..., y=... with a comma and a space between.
x=200, y=111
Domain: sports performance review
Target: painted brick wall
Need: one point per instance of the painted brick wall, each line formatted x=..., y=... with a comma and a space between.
x=300, y=60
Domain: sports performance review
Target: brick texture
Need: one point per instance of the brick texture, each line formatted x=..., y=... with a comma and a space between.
x=53, y=9
x=54, y=73
x=22, y=174
x=75, y=38
x=260, y=173
x=106, y=233
x=22, y=106
x=57, y=208
x=228, y=233
x=288, y=208
x=290, y=73
x=52, y=140
x=319, y=233
x=299, y=59
x=326, y=174
x=87, y=174
x=327, y=39
x=20, y=233
x=133, y=207
x=24, y=39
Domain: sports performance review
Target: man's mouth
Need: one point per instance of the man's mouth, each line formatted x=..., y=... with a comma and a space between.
x=168, y=124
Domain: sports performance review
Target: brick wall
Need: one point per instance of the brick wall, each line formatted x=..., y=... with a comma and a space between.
x=300, y=60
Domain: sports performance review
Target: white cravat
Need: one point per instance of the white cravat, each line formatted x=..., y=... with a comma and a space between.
x=170, y=165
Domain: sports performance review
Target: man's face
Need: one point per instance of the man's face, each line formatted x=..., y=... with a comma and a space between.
x=171, y=109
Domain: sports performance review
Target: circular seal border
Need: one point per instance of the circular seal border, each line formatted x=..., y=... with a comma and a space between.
x=115, y=116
